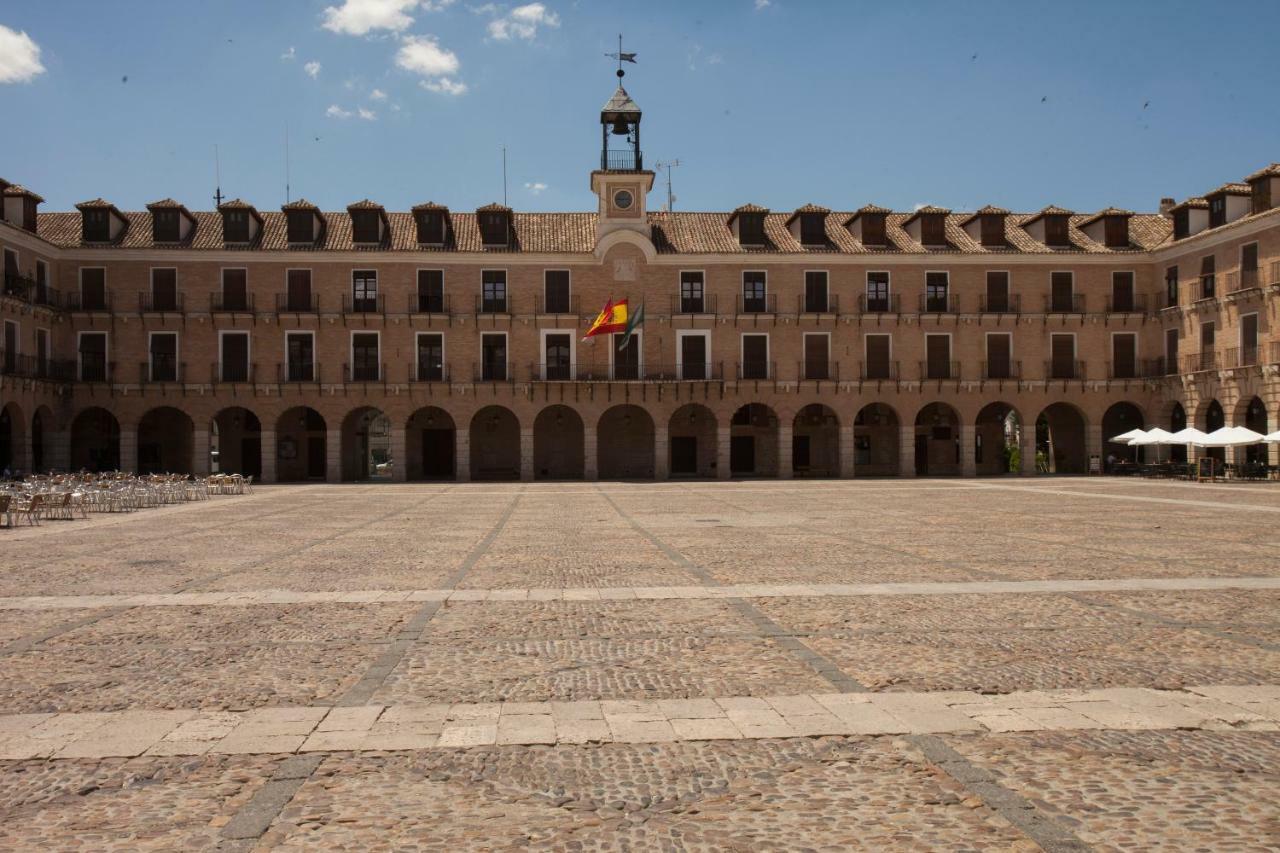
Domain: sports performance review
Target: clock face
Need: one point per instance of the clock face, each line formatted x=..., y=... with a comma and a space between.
x=622, y=199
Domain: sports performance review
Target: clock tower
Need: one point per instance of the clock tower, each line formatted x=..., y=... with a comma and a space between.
x=621, y=183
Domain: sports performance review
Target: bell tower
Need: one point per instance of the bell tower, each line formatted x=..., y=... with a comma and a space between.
x=621, y=183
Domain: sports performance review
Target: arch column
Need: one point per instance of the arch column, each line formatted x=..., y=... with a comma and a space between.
x=57, y=449
x=399, y=455
x=846, y=451
x=129, y=448
x=200, y=452
x=661, y=453
x=723, y=441
x=785, y=471
x=907, y=451
x=267, y=451
x=590, y=453
x=1027, y=451
x=968, y=450
x=23, y=453
x=526, y=454
x=462, y=464
x=1092, y=444
x=333, y=454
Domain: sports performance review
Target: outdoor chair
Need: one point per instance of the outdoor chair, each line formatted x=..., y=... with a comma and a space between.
x=5, y=515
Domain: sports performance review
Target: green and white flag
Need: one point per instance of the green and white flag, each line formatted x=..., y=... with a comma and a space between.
x=633, y=322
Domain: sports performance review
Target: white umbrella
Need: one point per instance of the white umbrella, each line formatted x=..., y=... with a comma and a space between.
x=1274, y=437
x=1155, y=435
x=1235, y=436
x=1127, y=437
x=1190, y=435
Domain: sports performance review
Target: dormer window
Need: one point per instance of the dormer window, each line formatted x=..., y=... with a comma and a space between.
x=430, y=227
x=301, y=226
x=873, y=230
x=1116, y=231
x=813, y=229
x=165, y=226
x=97, y=226
x=1057, y=232
x=993, y=231
x=494, y=230
x=1181, y=223
x=235, y=226
x=364, y=226
x=933, y=229
x=751, y=229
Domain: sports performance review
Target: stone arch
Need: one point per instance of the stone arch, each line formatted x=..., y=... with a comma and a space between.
x=42, y=425
x=13, y=436
x=495, y=444
x=753, y=441
x=1213, y=417
x=431, y=445
x=877, y=438
x=302, y=445
x=937, y=436
x=1177, y=422
x=95, y=441
x=625, y=443
x=692, y=436
x=235, y=442
x=1060, y=440
x=1253, y=415
x=166, y=441
x=558, y=444
x=1120, y=418
x=366, y=445
x=815, y=442
x=997, y=437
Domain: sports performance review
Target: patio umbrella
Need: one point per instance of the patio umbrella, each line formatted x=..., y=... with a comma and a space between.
x=1155, y=435
x=1190, y=435
x=1234, y=436
x=1127, y=437
x=1274, y=437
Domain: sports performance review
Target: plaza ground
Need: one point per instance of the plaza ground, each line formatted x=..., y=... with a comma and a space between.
x=1009, y=664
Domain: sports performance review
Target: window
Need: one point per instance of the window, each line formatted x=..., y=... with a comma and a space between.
x=11, y=273
x=1062, y=349
x=235, y=226
x=813, y=229
x=494, y=229
x=555, y=286
x=431, y=292
x=164, y=356
x=817, y=356
x=1170, y=351
x=936, y=285
x=751, y=229
x=366, y=226
x=301, y=226
x=300, y=354
x=364, y=291
x=1260, y=197
x=431, y=227
x=166, y=226
x=93, y=356
x=1217, y=211
x=873, y=230
x=997, y=291
x=1124, y=355
x=1208, y=356
x=93, y=289
x=815, y=293
x=297, y=295
x=755, y=357
x=42, y=277
x=430, y=357
x=164, y=289
x=1248, y=266
x=234, y=356
x=999, y=356
x=9, y=362
x=42, y=353
x=754, y=298
x=933, y=229
x=1181, y=223
x=557, y=356
x=1123, y=298
x=694, y=354
x=1171, y=286
x=365, y=357
x=692, y=296
x=878, y=292
x=1248, y=340
x=493, y=295
x=938, y=354
x=493, y=357
x=1062, y=292
x=1056, y=231
x=879, y=364
x=1208, y=280
x=97, y=226
x=1116, y=231
x=993, y=231
x=626, y=359
x=235, y=290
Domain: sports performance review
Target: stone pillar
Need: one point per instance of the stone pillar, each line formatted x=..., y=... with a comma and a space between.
x=1027, y=450
x=462, y=462
x=724, y=438
x=333, y=455
x=57, y=449
x=846, y=451
x=661, y=453
x=526, y=455
x=968, y=451
x=22, y=453
x=1093, y=446
x=268, y=455
x=907, y=452
x=590, y=455
x=784, y=452
x=1273, y=448
x=399, y=455
x=128, y=449
x=200, y=452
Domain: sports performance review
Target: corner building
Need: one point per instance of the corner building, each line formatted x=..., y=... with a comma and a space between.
x=302, y=344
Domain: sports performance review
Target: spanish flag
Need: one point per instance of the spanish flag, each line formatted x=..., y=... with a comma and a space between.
x=612, y=319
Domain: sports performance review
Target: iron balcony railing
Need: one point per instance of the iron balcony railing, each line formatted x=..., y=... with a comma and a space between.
x=492, y=370
x=232, y=372
x=161, y=368
x=297, y=303
x=939, y=370
x=429, y=303
x=622, y=161
x=1132, y=304
x=1274, y=278
x=1275, y=352
x=1064, y=369
x=352, y=304
x=878, y=370
x=427, y=371
x=163, y=303
x=1197, y=362
x=77, y=302
x=1154, y=368
x=1064, y=304
x=818, y=371
x=889, y=304
x=1124, y=369
x=811, y=303
x=757, y=369
x=94, y=367
x=1005, y=369
x=566, y=307
x=1241, y=356
x=31, y=290
x=704, y=304
x=238, y=303
x=767, y=304
x=35, y=367
x=493, y=305
x=938, y=304
x=298, y=371
x=364, y=372
x=1242, y=279
x=1205, y=288
x=1009, y=304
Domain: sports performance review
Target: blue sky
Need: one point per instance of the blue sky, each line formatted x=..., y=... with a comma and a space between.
x=779, y=103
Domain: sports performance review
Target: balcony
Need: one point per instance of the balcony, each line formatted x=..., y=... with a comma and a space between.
x=818, y=371
x=34, y=367
x=1064, y=304
x=94, y=367
x=555, y=307
x=878, y=304
x=756, y=369
x=1198, y=362
x=492, y=371
x=30, y=290
x=221, y=304
x=1002, y=369
x=1010, y=304
x=767, y=304
x=1154, y=368
x=428, y=372
x=878, y=370
x=939, y=370
x=938, y=304
x=297, y=371
x=1204, y=289
x=689, y=305
x=493, y=305
x=1124, y=369
x=161, y=369
x=1241, y=357
x=1064, y=369
x=352, y=304
x=1239, y=281
x=429, y=303
x=78, y=303
x=229, y=372
x=622, y=161
x=364, y=371
x=297, y=304
x=1132, y=304
x=165, y=303
x=808, y=303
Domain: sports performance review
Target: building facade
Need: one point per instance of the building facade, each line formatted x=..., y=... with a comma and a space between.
x=303, y=344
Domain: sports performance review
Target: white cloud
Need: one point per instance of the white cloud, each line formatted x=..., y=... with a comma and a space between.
x=313, y=69
x=445, y=86
x=715, y=59
x=367, y=115
x=19, y=57
x=523, y=22
x=359, y=17
x=289, y=55
x=378, y=95
x=535, y=187
x=336, y=111
x=760, y=4
x=486, y=9
x=424, y=55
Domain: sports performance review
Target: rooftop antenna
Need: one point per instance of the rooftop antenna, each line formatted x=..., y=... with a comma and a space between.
x=504, y=176
x=671, y=198
x=287, y=199
x=217, y=173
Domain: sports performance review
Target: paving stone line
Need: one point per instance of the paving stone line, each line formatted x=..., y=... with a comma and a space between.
x=1133, y=498
x=29, y=641
x=248, y=824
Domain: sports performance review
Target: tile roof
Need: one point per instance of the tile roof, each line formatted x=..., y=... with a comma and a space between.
x=428, y=205
x=236, y=204
x=20, y=190
x=621, y=103
x=493, y=207
x=364, y=204
x=1231, y=189
x=96, y=204
x=300, y=204
x=1050, y=210
x=1272, y=171
x=1106, y=211
x=1194, y=201
x=985, y=210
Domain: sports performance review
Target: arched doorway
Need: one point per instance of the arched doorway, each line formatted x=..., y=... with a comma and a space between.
x=301, y=445
x=877, y=434
x=1214, y=418
x=997, y=438
x=11, y=437
x=495, y=444
x=1177, y=423
x=937, y=450
x=1118, y=419
x=691, y=436
x=1060, y=440
x=95, y=441
x=431, y=445
x=815, y=442
x=624, y=438
x=558, y=444
x=366, y=445
x=166, y=440
x=41, y=423
x=753, y=442
x=235, y=443
x=1255, y=418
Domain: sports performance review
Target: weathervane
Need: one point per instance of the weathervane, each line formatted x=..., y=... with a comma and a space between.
x=621, y=57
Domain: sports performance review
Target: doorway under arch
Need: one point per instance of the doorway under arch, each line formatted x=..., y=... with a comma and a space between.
x=753, y=442
x=1120, y=418
x=1255, y=418
x=302, y=449
x=95, y=441
x=815, y=442
x=235, y=443
x=692, y=436
x=431, y=445
x=166, y=441
x=366, y=445
x=937, y=450
x=495, y=444
x=1060, y=440
x=11, y=437
x=558, y=444
x=624, y=439
x=877, y=436
x=997, y=437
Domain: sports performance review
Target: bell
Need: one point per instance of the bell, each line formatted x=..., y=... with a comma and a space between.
x=620, y=127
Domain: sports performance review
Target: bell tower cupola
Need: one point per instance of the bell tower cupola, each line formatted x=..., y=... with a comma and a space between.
x=621, y=183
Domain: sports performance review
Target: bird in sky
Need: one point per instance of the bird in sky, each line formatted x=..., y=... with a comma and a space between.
x=1044, y=99
x=124, y=79
x=1147, y=104
x=974, y=57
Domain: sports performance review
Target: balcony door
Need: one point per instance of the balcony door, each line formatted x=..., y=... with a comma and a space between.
x=1063, y=350
x=879, y=365
x=431, y=358
x=626, y=359
x=1124, y=355
x=557, y=355
x=817, y=357
x=300, y=352
x=164, y=356
x=694, y=356
x=235, y=357
x=493, y=357
x=938, y=351
x=1062, y=292
x=999, y=356
x=364, y=357
x=755, y=356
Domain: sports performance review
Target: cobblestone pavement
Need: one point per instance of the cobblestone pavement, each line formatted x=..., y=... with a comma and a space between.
x=1065, y=664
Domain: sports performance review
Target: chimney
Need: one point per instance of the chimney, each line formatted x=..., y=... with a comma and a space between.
x=1166, y=204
